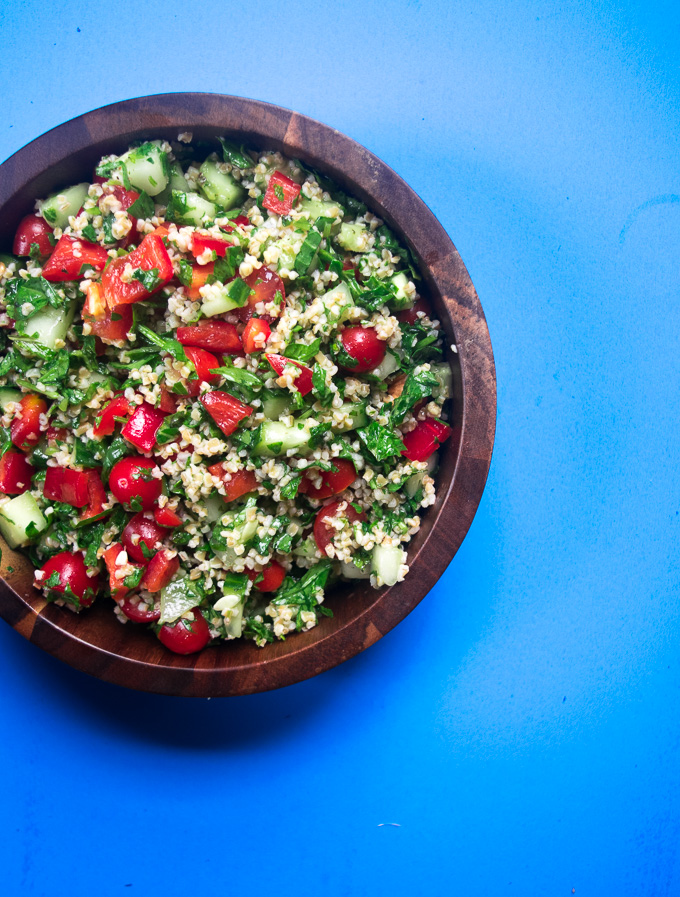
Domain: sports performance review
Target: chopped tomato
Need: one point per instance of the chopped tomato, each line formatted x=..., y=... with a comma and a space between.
x=204, y=362
x=71, y=487
x=109, y=324
x=199, y=276
x=217, y=336
x=71, y=572
x=96, y=496
x=25, y=430
x=364, y=347
x=106, y=420
x=265, y=284
x=255, y=335
x=185, y=636
x=117, y=585
x=70, y=256
x=225, y=410
x=323, y=533
x=142, y=530
x=142, y=427
x=125, y=197
x=150, y=255
x=425, y=439
x=236, y=484
x=32, y=229
x=269, y=579
x=56, y=434
x=201, y=242
x=162, y=567
x=133, y=478
x=281, y=193
x=332, y=481
x=167, y=517
x=168, y=402
x=15, y=473
x=303, y=381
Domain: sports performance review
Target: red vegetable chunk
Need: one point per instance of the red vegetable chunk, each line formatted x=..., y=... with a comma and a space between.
x=167, y=517
x=303, y=381
x=255, y=335
x=225, y=410
x=364, y=347
x=185, y=637
x=201, y=242
x=150, y=254
x=162, y=567
x=332, y=481
x=32, y=229
x=425, y=439
x=142, y=427
x=118, y=407
x=117, y=585
x=138, y=613
x=269, y=579
x=15, y=473
x=236, y=484
x=217, y=336
x=281, y=193
x=132, y=478
x=69, y=257
x=204, y=362
x=71, y=572
x=71, y=487
x=323, y=533
x=142, y=530
x=25, y=430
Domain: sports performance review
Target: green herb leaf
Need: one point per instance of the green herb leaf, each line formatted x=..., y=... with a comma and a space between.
x=235, y=155
x=149, y=279
x=418, y=386
x=380, y=442
x=167, y=344
x=302, y=352
x=225, y=268
x=132, y=580
x=305, y=256
x=142, y=207
x=90, y=233
x=303, y=593
x=118, y=449
x=186, y=273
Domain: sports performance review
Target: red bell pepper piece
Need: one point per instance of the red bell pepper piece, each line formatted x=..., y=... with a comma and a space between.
x=106, y=420
x=235, y=484
x=25, y=430
x=255, y=335
x=204, y=362
x=166, y=517
x=142, y=427
x=96, y=495
x=116, y=585
x=162, y=567
x=168, y=402
x=149, y=255
x=15, y=473
x=32, y=229
x=109, y=324
x=69, y=257
x=216, y=336
x=71, y=487
x=201, y=242
x=425, y=439
x=281, y=193
x=225, y=410
x=303, y=382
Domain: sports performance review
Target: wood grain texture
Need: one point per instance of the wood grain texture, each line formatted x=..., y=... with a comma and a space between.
x=130, y=656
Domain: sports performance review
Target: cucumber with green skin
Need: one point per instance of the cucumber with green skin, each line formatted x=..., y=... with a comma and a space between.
x=220, y=187
x=353, y=237
x=190, y=208
x=147, y=168
x=50, y=324
x=277, y=438
x=7, y=396
x=16, y=517
x=274, y=407
x=356, y=412
x=400, y=300
x=58, y=208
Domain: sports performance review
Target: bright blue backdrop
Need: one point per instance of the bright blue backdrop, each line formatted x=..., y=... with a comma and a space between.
x=521, y=726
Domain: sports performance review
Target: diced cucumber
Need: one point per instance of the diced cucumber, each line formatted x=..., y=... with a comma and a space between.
x=286, y=247
x=7, y=396
x=386, y=562
x=147, y=168
x=353, y=237
x=220, y=187
x=190, y=208
x=219, y=301
x=232, y=602
x=413, y=483
x=180, y=596
x=351, y=571
x=19, y=515
x=338, y=302
x=177, y=182
x=387, y=366
x=50, y=324
x=214, y=507
x=444, y=374
x=400, y=299
x=57, y=209
x=356, y=416
x=276, y=438
x=319, y=208
x=307, y=548
x=275, y=407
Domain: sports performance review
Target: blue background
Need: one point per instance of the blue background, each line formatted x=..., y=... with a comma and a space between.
x=521, y=726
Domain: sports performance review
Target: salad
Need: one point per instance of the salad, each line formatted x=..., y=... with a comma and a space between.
x=220, y=390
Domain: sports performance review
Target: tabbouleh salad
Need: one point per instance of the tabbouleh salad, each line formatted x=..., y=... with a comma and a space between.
x=220, y=390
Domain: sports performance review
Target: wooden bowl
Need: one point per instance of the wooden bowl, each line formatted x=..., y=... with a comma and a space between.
x=95, y=641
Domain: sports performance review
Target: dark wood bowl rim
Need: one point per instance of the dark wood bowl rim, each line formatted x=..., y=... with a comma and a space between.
x=241, y=669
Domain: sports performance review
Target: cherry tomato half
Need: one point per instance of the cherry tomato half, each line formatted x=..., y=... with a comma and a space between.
x=323, y=533
x=142, y=529
x=204, y=362
x=362, y=344
x=32, y=229
x=72, y=572
x=269, y=579
x=184, y=636
x=132, y=478
x=139, y=613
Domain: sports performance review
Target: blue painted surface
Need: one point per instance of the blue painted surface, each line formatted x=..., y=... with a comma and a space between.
x=521, y=726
